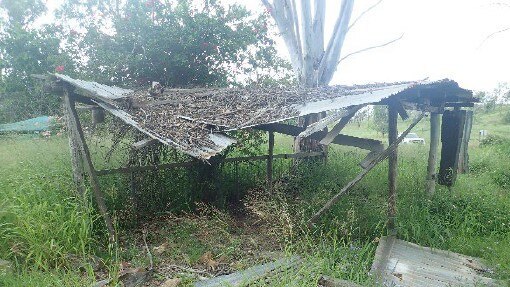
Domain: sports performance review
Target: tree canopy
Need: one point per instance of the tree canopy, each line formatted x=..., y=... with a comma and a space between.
x=178, y=43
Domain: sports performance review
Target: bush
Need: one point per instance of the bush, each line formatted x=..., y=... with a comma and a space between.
x=493, y=140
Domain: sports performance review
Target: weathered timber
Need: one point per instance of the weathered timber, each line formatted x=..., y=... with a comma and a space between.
x=400, y=110
x=392, y=168
x=79, y=138
x=368, y=144
x=451, y=136
x=434, y=143
x=76, y=159
x=250, y=275
x=362, y=143
x=143, y=143
x=463, y=154
x=383, y=155
x=270, y=161
x=194, y=162
x=330, y=136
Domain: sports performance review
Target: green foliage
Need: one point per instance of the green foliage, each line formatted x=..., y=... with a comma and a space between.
x=380, y=119
x=41, y=223
x=132, y=43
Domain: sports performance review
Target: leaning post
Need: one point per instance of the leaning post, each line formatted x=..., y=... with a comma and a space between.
x=435, y=130
x=270, y=161
x=392, y=169
x=76, y=132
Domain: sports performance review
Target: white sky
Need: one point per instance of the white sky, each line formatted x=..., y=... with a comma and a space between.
x=442, y=39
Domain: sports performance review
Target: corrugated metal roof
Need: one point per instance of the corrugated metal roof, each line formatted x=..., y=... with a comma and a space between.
x=400, y=263
x=195, y=120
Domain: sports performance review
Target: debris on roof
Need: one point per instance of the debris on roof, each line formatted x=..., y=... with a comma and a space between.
x=197, y=121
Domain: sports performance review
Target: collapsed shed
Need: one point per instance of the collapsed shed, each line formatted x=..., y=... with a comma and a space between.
x=199, y=122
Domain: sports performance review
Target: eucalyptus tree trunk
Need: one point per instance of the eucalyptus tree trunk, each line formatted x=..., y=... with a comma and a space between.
x=303, y=33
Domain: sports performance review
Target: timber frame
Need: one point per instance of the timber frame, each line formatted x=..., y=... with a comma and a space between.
x=433, y=100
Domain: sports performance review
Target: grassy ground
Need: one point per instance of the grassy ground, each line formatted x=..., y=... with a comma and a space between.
x=51, y=237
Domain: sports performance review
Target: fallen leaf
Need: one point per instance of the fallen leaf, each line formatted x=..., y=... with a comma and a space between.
x=174, y=282
x=208, y=261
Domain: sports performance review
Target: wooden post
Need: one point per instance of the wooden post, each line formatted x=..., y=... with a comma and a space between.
x=466, y=135
x=435, y=130
x=270, y=162
x=382, y=156
x=76, y=160
x=392, y=169
x=77, y=133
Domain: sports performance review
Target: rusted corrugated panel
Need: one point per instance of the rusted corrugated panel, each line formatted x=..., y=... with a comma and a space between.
x=367, y=96
x=401, y=263
x=219, y=141
x=101, y=91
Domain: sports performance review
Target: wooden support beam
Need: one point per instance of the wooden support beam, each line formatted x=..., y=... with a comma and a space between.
x=143, y=143
x=435, y=130
x=383, y=155
x=76, y=159
x=368, y=144
x=392, y=168
x=270, y=162
x=330, y=136
x=77, y=133
x=362, y=143
x=401, y=110
x=464, y=155
x=194, y=162
x=281, y=129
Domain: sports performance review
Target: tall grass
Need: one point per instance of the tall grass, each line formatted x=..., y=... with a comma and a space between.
x=42, y=223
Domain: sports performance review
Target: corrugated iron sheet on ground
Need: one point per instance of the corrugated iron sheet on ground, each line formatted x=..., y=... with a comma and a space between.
x=401, y=263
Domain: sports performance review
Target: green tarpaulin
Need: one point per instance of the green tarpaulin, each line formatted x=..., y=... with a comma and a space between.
x=38, y=124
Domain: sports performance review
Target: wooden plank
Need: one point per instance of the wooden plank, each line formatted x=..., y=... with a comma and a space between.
x=194, y=162
x=281, y=129
x=76, y=159
x=270, y=161
x=77, y=133
x=392, y=168
x=432, y=160
x=466, y=135
x=368, y=144
x=143, y=143
x=250, y=275
x=362, y=143
x=363, y=173
x=451, y=136
x=330, y=136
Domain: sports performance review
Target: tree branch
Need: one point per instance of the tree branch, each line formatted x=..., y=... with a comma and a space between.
x=285, y=27
x=329, y=61
x=491, y=35
x=306, y=30
x=370, y=48
x=363, y=13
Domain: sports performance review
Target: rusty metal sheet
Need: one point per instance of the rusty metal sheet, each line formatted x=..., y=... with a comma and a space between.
x=400, y=263
x=101, y=91
x=367, y=96
x=220, y=141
